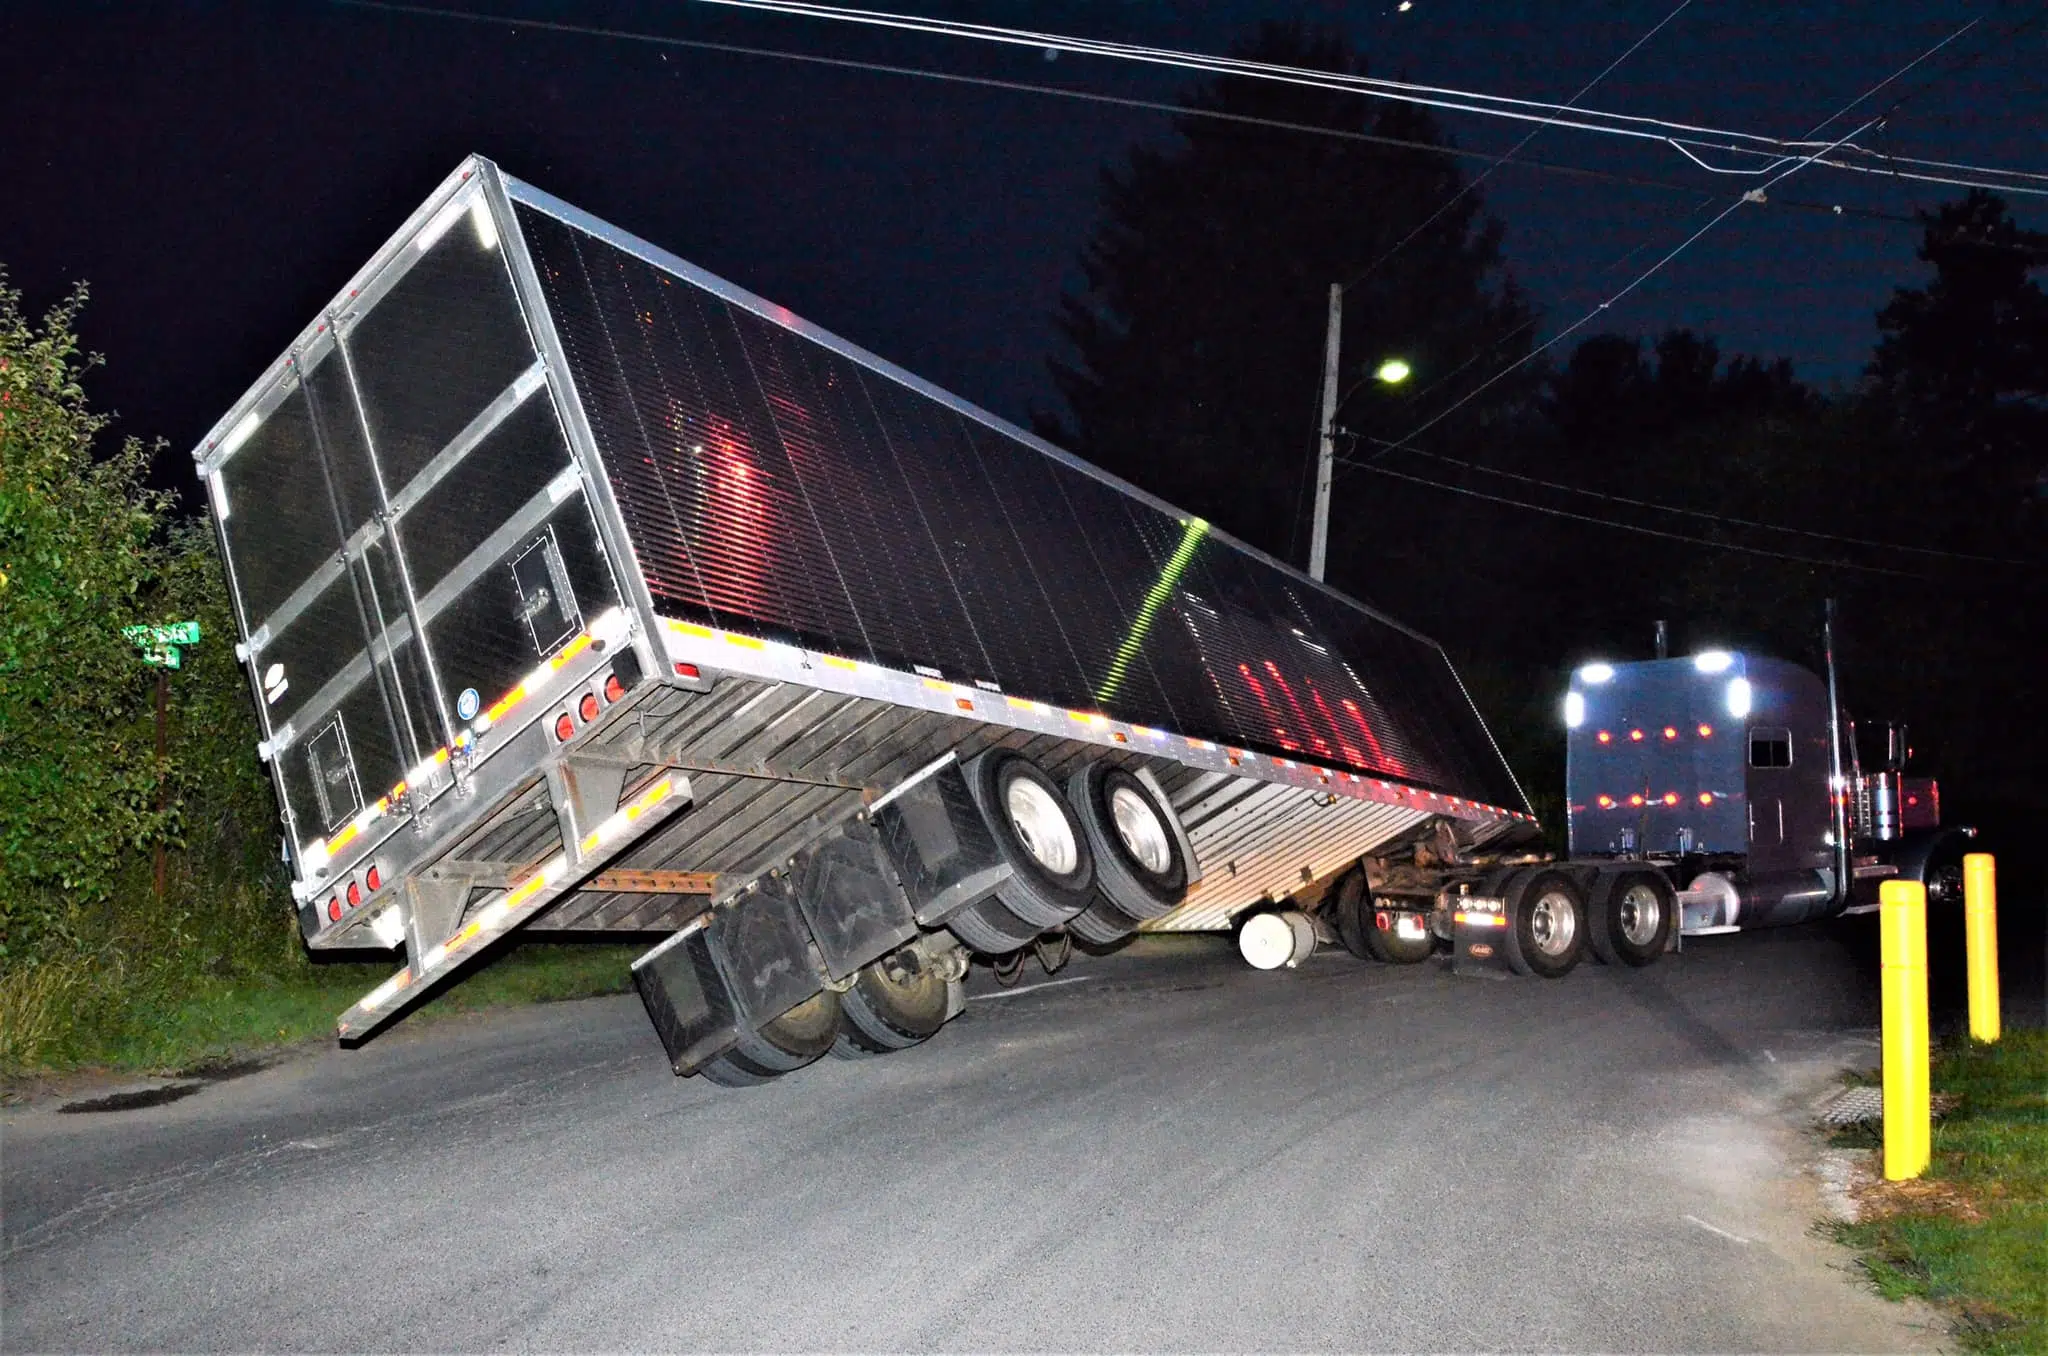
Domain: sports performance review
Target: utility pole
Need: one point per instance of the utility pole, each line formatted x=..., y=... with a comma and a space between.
x=1326, y=453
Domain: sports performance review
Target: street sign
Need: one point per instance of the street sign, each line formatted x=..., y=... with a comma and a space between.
x=177, y=633
x=160, y=644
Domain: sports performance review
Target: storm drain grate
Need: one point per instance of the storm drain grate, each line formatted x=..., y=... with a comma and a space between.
x=1853, y=1106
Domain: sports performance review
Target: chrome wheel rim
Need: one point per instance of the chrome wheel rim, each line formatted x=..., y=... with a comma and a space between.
x=1641, y=913
x=1139, y=829
x=1553, y=922
x=1041, y=826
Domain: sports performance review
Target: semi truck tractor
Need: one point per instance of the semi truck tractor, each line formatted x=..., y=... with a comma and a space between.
x=581, y=591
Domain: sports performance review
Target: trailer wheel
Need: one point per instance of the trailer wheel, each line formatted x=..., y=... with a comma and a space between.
x=782, y=1044
x=1630, y=917
x=1383, y=937
x=732, y=1071
x=1102, y=924
x=1139, y=866
x=895, y=1003
x=1546, y=932
x=990, y=929
x=1351, y=906
x=1052, y=872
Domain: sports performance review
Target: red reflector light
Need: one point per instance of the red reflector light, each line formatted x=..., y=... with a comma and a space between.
x=613, y=688
x=334, y=909
x=1706, y=798
x=1604, y=737
x=1671, y=798
x=1912, y=800
x=565, y=728
x=1670, y=732
x=1636, y=735
x=373, y=880
x=1607, y=802
x=686, y=670
x=355, y=894
x=587, y=708
x=1706, y=732
x=1635, y=800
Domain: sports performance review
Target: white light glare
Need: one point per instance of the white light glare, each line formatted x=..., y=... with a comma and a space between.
x=1712, y=661
x=438, y=227
x=389, y=926
x=480, y=217
x=1738, y=697
x=1574, y=710
x=240, y=433
x=1596, y=673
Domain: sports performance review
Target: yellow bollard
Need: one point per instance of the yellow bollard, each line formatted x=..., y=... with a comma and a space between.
x=1980, y=942
x=1908, y=1119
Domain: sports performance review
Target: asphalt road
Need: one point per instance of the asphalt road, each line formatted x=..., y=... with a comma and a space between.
x=1164, y=1152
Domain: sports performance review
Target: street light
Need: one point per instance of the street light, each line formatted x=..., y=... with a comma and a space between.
x=1390, y=372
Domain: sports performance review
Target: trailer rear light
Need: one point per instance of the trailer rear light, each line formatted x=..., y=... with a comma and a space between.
x=565, y=728
x=686, y=670
x=587, y=708
x=1604, y=737
x=355, y=894
x=1670, y=732
x=374, y=880
x=1635, y=736
x=1606, y=802
x=1636, y=801
x=1382, y=922
x=613, y=688
x=334, y=909
x=1706, y=798
x=1706, y=732
x=1671, y=798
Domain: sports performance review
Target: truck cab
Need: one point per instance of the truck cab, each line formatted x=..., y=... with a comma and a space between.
x=1717, y=766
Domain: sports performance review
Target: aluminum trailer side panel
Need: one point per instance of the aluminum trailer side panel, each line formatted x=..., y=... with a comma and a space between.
x=578, y=588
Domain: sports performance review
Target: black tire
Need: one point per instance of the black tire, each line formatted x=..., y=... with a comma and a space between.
x=782, y=1045
x=1102, y=924
x=895, y=1003
x=734, y=1071
x=1387, y=944
x=1630, y=916
x=1052, y=872
x=1546, y=932
x=1137, y=888
x=989, y=929
x=1351, y=910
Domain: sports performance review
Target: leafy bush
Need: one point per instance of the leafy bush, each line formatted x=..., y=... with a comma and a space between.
x=86, y=547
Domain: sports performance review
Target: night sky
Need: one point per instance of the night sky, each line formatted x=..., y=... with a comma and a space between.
x=216, y=172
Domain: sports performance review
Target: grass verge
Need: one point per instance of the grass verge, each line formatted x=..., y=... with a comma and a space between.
x=1972, y=1235
x=165, y=1021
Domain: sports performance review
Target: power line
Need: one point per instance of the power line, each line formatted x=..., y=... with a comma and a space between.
x=1636, y=527
x=1754, y=195
x=1686, y=512
x=1470, y=184
x=1838, y=210
x=1686, y=138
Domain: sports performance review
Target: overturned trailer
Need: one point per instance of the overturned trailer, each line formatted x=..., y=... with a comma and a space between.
x=581, y=590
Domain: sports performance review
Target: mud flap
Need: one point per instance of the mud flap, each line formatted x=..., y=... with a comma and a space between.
x=941, y=847
x=1479, y=928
